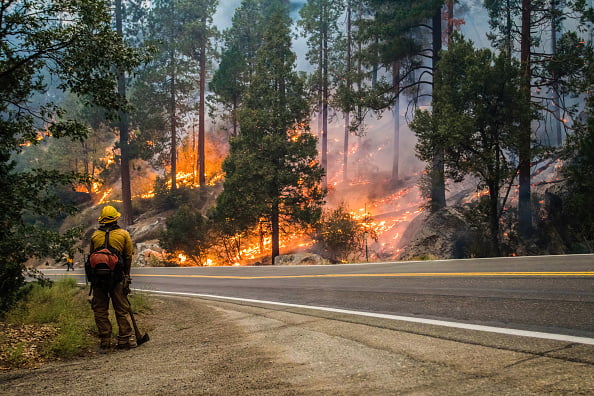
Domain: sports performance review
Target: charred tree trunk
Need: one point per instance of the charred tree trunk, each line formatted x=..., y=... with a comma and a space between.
x=173, y=106
x=508, y=30
x=555, y=86
x=274, y=219
x=396, y=117
x=124, y=133
x=201, y=117
x=450, y=29
x=345, y=156
x=325, y=95
x=438, y=200
x=173, y=121
x=234, y=115
x=524, y=205
x=494, y=217
x=347, y=114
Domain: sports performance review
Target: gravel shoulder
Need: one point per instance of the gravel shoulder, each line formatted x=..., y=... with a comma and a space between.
x=207, y=347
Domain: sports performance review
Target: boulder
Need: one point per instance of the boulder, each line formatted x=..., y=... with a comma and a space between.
x=149, y=254
x=439, y=235
x=300, y=259
x=147, y=229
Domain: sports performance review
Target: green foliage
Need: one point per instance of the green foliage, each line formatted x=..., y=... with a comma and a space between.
x=230, y=82
x=477, y=110
x=77, y=52
x=186, y=232
x=11, y=282
x=340, y=237
x=398, y=38
x=15, y=355
x=424, y=257
x=141, y=302
x=577, y=219
x=86, y=156
x=166, y=199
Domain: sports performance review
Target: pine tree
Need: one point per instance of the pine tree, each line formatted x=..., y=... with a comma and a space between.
x=319, y=23
x=271, y=171
x=241, y=42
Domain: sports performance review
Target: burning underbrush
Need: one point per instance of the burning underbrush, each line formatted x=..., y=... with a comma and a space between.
x=369, y=218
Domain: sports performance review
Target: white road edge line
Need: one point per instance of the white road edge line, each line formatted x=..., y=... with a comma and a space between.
x=465, y=326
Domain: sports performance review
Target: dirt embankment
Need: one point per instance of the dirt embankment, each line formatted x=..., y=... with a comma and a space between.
x=214, y=348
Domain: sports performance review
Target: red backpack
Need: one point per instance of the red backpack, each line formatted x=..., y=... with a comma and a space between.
x=104, y=266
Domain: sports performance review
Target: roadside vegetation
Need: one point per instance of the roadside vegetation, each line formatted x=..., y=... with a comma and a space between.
x=54, y=321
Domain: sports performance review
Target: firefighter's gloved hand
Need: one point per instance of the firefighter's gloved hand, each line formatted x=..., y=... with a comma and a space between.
x=126, y=284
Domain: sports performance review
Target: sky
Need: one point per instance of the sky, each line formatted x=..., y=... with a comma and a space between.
x=224, y=15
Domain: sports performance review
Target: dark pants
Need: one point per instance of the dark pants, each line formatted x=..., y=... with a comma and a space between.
x=121, y=306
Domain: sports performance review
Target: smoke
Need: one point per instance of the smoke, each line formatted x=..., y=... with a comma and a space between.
x=224, y=14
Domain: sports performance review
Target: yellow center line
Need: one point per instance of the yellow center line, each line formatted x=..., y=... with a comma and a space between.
x=411, y=274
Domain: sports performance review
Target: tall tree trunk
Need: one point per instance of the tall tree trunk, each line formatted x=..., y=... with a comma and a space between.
x=396, y=120
x=375, y=68
x=194, y=153
x=275, y=241
x=508, y=30
x=234, y=115
x=524, y=205
x=320, y=89
x=173, y=106
x=438, y=200
x=325, y=95
x=494, y=217
x=201, y=113
x=345, y=147
x=347, y=114
x=124, y=134
x=556, y=109
x=173, y=121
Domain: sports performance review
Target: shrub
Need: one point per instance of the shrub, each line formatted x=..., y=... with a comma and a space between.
x=340, y=236
x=186, y=232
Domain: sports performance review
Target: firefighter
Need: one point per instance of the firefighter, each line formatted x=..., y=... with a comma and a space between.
x=118, y=288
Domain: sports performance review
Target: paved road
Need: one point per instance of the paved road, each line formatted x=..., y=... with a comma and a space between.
x=550, y=294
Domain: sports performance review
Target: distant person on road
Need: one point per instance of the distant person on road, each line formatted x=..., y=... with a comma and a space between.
x=69, y=263
x=111, y=284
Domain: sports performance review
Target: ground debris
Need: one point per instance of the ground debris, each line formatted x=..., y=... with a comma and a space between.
x=22, y=345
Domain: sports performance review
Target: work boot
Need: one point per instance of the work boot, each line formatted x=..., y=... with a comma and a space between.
x=105, y=343
x=129, y=344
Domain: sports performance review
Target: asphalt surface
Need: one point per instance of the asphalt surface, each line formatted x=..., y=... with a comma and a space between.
x=551, y=294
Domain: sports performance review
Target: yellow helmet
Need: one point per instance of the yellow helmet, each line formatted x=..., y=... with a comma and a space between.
x=109, y=214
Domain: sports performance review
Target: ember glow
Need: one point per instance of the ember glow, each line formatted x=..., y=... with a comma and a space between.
x=477, y=195
x=105, y=196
